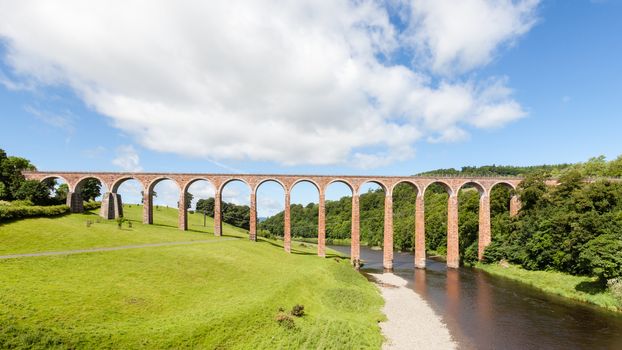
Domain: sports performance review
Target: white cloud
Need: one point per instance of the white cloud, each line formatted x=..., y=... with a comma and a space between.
x=287, y=82
x=457, y=36
x=127, y=159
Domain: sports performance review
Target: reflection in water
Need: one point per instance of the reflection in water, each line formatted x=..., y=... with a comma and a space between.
x=488, y=312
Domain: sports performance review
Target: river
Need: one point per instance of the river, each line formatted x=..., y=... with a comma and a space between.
x=489, y=312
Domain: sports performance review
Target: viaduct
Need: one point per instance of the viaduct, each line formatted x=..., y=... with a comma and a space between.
x=112, y=204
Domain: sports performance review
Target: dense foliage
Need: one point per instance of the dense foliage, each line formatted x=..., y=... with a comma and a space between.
x=236, y=215
x=575, y=227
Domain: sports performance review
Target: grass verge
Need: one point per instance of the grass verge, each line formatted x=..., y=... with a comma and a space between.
x=580, y=288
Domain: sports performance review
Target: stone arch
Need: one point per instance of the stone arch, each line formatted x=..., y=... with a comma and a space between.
x=195, y=180
x=480, y=188
x=448, y=188
x=382, y=185
x=156, y=181
x=309, y=180
x=343, y=181
x=264, y=180
x=409, y=182
x=228, y=181
x=118, y=182
x=508, y=184
x=81, y=181
x=53, y=177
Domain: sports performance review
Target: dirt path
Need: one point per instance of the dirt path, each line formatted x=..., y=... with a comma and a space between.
x=411, y=322
x=107, y=249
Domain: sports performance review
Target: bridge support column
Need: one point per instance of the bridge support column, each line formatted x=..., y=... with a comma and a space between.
x=321, y=222
x=252, y=232
x=217, y=213
x=287, y=228
x=147, y=207
x=355, y=241
x=387, y=256
x=453, y=248
x=74, y=202
x=111, y=207
x=484, y=225
x=515, y=205
x=420, y=232
x=182, y=207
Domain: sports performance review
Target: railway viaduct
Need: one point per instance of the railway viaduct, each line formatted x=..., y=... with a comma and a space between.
x=112, y=203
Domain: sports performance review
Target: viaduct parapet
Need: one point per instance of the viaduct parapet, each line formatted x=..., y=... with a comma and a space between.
x=112, y=202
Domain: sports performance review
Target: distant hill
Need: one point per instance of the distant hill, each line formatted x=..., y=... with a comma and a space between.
x=499, y=170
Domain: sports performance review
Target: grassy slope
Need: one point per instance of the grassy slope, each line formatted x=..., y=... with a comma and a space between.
x=70, y=232
x=581, y=288
x=222, y=294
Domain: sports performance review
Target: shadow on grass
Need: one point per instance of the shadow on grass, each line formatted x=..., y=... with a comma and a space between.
x=296, y=251
x=593, y=287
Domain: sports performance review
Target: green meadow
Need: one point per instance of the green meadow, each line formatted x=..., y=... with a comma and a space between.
x=221, y=294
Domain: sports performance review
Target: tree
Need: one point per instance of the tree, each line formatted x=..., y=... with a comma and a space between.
x=11, y=174
x=36, y=192
x=90, y=189
x=206, y=206
x=60, y=195
x=602, y=256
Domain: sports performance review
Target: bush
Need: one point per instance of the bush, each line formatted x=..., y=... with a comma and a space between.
x=92, y=205
x=5, y=203
x=18, y=212
x=298, y=310
x=22, y=203
x=615, y=287
x=285, y=320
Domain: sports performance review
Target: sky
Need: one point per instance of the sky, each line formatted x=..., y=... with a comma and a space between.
x=391, y=87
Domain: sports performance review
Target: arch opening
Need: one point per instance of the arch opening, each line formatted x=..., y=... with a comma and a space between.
x=305, y=198
x=271, y=209
x=235, y=205
x=52, y=190
x=372, y=197
x=338, y=196
x=91, y=188
x=436, y=198
x=200, y=200
x=404, y=210
x=129, y=196
x=469, y=206
x=164, y=195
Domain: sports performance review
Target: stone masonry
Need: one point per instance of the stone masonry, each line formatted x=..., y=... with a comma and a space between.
x=112, y=203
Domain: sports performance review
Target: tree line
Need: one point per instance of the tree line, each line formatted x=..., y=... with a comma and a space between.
x=575, y=227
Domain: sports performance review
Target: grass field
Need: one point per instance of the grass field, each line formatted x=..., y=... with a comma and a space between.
x=223, y=294
x=581, y=288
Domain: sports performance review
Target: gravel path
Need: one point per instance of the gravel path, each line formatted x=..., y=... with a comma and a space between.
x=123, y=247
x=411, y=324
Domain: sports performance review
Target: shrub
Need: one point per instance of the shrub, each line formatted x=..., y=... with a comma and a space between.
x=285, y=320
x=5, y=203
x=22, y=203
x=18, y=212
x=298, y=310
x=92, y=205
x=615, y=287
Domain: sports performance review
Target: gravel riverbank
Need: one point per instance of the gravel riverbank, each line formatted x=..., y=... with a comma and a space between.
x=411, y=322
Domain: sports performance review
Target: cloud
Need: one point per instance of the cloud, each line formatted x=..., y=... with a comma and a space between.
x=457, y=36
x=305, y=82
x=127, y=159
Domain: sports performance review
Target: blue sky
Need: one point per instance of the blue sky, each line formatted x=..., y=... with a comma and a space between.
x=78, y=96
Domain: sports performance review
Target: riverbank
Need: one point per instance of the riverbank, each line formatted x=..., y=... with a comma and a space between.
x=411, y=322
x=580, y=288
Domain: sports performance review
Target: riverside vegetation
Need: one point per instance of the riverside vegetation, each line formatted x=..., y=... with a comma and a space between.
x=572, y=230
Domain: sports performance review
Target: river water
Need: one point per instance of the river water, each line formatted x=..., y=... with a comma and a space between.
x=488, y=312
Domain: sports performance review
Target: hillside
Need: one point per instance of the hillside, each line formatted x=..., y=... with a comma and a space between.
x=217, y=293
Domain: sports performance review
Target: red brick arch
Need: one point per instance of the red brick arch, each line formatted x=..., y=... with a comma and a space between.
x=111, y=206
